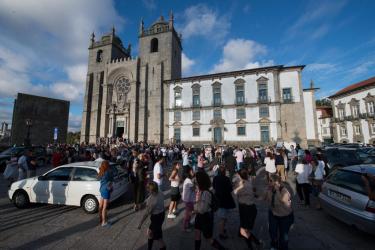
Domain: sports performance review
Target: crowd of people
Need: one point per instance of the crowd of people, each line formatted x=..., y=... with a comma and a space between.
x=211, y=182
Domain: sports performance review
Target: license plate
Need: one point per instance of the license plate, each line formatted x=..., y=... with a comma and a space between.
x=339, y=196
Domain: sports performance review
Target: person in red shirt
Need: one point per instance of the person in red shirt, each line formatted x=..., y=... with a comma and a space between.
x=56, y=158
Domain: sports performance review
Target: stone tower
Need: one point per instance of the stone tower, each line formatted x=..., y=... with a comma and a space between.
x=127, y=97
x=160, y=59
x=108, y=48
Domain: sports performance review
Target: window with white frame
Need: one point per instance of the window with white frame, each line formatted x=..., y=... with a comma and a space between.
x=196, y=115
x=177, y=134
x=196, y=96
x=370, y=107
x=343, y=130
x=341, y=113
x=196, y=131
x=372, y=128
x=241, y=113
x=287, y=94
x=240, y=94
x=217, y=95
x=264, y=111
x=241, y=130
x=177, y=98
x=217, y=113
x=355, y=110
x=177, y=116
x=264, y=133
x=262, y=92
x=357, y=129
x=324, y=131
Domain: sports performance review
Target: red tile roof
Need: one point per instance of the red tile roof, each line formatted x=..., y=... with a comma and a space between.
x=356, y=86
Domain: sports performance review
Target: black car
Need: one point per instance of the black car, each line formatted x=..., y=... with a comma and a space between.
x=38, y=152
x=338, y=157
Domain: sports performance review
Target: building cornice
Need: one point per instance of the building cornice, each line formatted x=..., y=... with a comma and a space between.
x=236, y=73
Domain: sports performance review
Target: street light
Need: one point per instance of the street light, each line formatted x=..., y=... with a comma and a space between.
x=28, y=126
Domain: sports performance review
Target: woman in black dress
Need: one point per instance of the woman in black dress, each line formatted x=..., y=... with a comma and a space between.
x=139, y=182
x=223, y=192
x=247, y=208
x=204, y=219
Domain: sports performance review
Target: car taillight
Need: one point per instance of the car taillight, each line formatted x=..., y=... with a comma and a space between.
x=370, y=206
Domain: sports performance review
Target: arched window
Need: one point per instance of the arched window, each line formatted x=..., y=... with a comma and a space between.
x=99, y=56
x=154, y=45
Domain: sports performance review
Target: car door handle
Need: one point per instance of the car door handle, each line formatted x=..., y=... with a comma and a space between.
x=64, y=184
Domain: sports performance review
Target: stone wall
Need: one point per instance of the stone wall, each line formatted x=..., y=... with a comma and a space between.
x=45, y=113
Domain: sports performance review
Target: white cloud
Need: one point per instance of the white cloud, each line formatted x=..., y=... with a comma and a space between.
x=320, y=67
x=41, y=40
x=149, y=4
x=316, y=12
x=186, y=63
x=74, y=122
x=56, y=30
x=320, y=32
x=200, y=20
x=73, y=89
x=240, y=54
x=362, y=68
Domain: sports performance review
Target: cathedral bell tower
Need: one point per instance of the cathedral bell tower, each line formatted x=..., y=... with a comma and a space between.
x=109, y=47
x=160, y=57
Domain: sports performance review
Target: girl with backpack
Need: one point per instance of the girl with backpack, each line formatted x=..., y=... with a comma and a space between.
x=204, y=208
x=247, y=208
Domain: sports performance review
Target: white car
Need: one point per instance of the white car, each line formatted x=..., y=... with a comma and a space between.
x=74, y=184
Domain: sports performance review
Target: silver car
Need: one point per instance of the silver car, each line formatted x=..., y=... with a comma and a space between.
x=345, y=197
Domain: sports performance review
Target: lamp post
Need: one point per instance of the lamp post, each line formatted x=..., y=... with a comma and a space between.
x=28, y=126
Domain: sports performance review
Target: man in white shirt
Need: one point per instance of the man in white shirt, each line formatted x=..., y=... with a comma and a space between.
x=239, y=158
x=158, y=172
x=23, y=166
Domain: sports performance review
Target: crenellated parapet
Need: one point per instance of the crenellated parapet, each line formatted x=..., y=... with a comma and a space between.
x=122, y=60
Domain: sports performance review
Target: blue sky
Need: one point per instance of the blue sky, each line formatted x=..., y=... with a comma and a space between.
x=43, y=43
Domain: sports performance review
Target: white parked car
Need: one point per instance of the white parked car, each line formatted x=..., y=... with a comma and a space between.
x=74, y=184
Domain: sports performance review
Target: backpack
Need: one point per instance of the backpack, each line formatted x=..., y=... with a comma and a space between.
x=214, y=202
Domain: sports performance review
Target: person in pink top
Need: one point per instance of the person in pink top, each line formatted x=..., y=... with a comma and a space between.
x=201, y=162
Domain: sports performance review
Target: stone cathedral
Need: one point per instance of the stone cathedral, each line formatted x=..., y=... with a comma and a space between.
x=146, y=99
x=124, y=96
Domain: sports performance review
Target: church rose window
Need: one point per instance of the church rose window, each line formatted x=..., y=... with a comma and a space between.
x=122, y=88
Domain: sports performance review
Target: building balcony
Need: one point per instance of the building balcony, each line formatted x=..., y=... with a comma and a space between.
x=263, y=99
x=216, y=103
x=288, y=100
x=240, y=101
x=178, y=106
x=196, y=105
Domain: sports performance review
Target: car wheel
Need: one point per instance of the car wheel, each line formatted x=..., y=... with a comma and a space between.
x=21, y=199
x=90, y=204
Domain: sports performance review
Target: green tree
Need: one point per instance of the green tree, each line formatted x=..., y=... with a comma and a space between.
x=73, y=137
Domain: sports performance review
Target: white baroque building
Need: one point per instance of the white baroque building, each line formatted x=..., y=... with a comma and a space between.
x=254, y=106
x=324, y=115
x=353, y=109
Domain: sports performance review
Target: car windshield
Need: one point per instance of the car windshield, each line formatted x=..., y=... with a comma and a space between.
x=348, y=180
x=10, y=151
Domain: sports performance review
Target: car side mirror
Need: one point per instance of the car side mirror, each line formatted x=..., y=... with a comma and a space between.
x=41, y=178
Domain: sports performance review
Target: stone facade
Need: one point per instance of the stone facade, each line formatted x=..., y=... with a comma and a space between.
x=248, y=107
x=45, y=114
x=135, y=98
x=354, y=113
x=125, y=97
